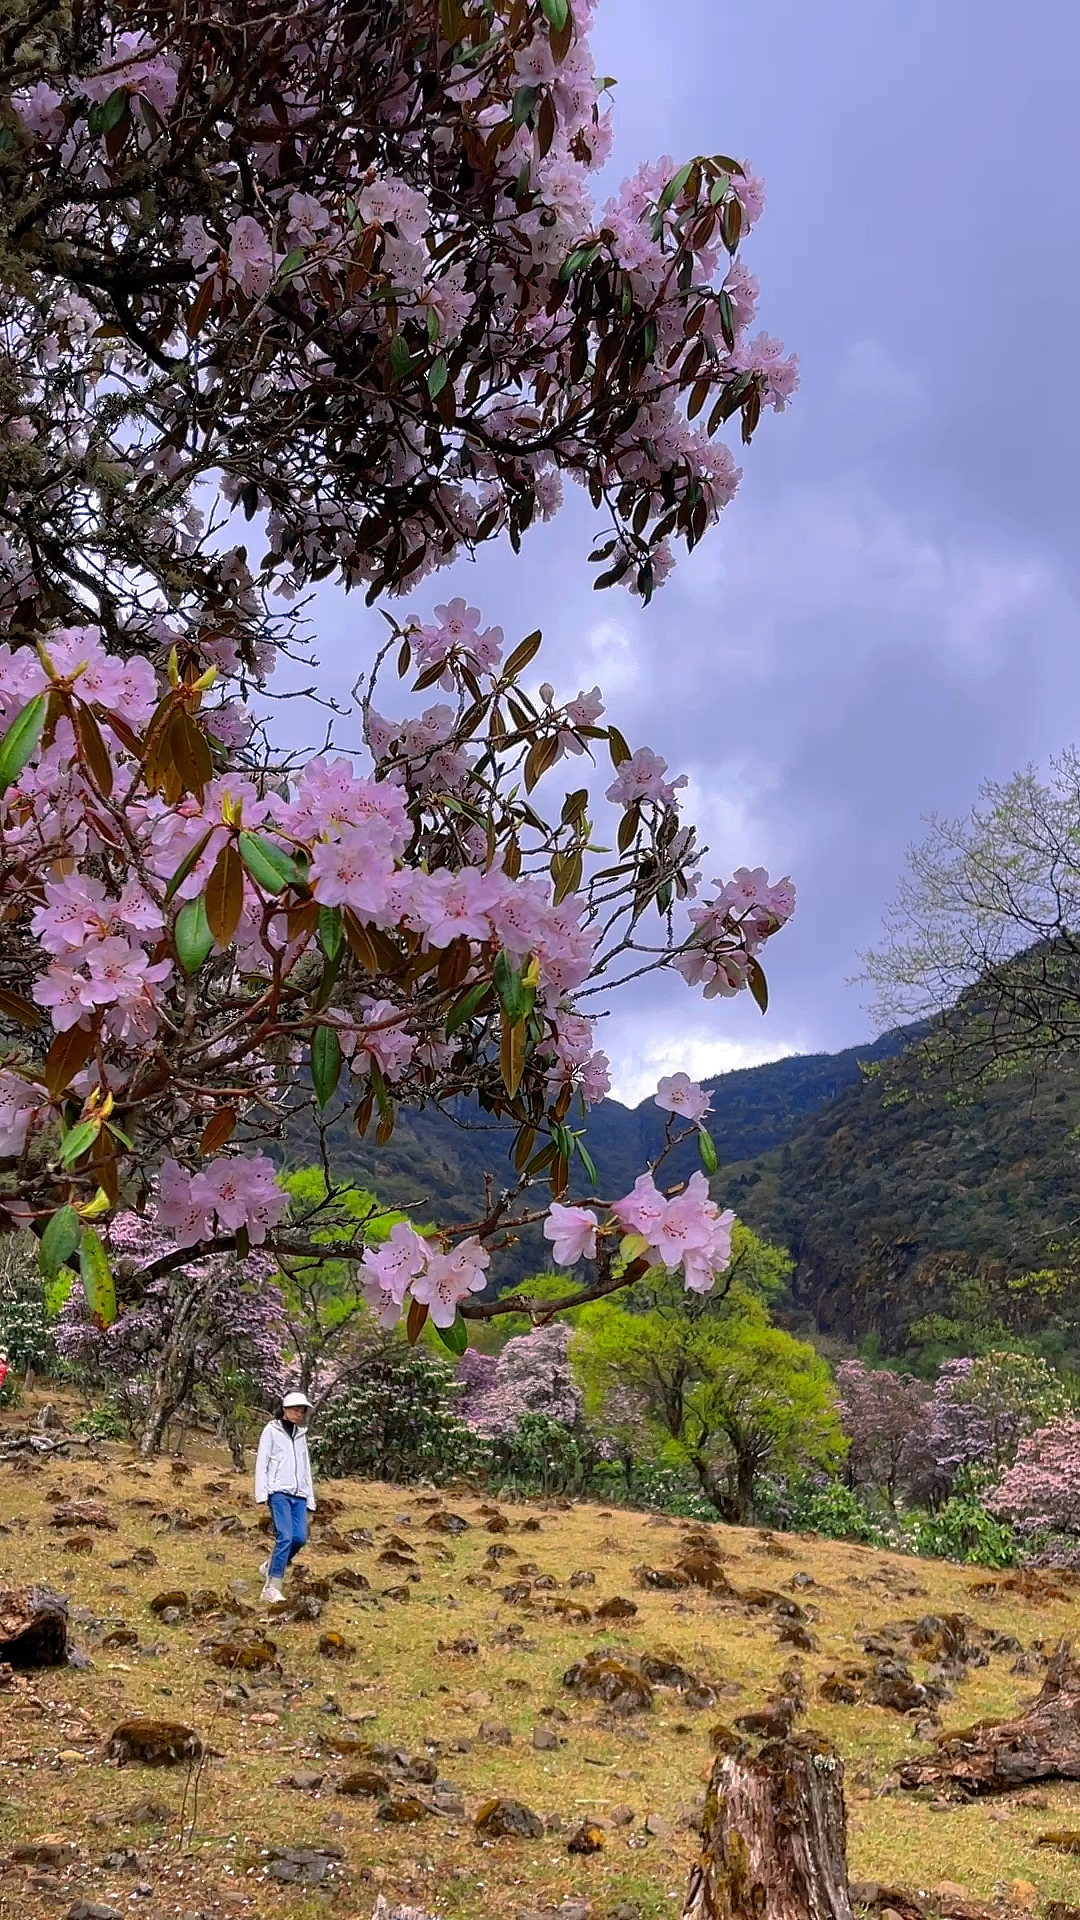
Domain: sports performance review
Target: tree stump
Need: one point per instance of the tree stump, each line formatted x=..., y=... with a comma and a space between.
x=1042, y=1743
x=774, y=1835
x=33, y=1628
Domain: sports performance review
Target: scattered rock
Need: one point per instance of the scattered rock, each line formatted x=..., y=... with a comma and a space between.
x=616, y=1608
x=45, y=1853
x=304, y=1866
x=657, y=1826
x=173, y=1600
x=588, y=1838
x=503, y=1819
x=367, y=1781
x=302, y=1782
x=544, y=1739
x=334, y=1646
x=496, y=1733
x=1023, y=1894
x=153, y=1743
x=664, y=1578
x=249, y=1655
x=401, y=1807
x=33, y=1628
x=583, y=1578
x=82, y=1513
x=618, y=1684
x=350, y=1581
x=92, y=1910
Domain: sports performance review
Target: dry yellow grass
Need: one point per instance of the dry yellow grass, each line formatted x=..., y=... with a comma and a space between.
x=400, y=1688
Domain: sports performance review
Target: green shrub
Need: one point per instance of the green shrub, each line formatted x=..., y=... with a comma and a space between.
x=395, y=1421
x=962, y=1530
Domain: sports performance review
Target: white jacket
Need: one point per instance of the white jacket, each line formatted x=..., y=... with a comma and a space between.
x=282, y=1465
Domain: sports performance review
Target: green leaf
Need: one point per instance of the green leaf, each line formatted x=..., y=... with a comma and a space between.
x=97, y=1279
x=675, y=185
x=517, y=999
x=291, y=262
x=325, y=1063
x=400, y=356
x=269, y=865
x=59, y=1241
x=114, y=109
x=463, y=1009
x=556, y=13
x=632, y=1246
x=194, y=940
x=757, y=983
x=78, y=1141
x=524, y=105
x=189, y=862
x=455, y=1336
x=438, y=375
x=331, y=931
x=20, y=740
x=587, y=1162
x=707, y=1150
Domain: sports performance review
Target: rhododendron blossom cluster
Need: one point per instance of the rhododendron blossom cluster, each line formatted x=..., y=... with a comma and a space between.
x=346, y=265
x=339, y=270
x=184, y=933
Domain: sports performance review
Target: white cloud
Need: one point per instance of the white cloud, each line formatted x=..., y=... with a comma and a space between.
x=638, y=1064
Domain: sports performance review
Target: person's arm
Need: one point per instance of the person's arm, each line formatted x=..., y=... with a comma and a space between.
x=262, y=1462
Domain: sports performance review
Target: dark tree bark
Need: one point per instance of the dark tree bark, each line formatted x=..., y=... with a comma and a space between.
x=995, y=1756
x=33, y=1628
x=774, y=1835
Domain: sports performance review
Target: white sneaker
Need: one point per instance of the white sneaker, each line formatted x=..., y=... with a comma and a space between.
x=271, y=1595
x=264, y=1569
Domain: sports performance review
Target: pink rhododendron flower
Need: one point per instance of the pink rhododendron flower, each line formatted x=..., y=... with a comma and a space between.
x=448, y=1277
x=678, y=1094
x=382, y=1040
x=251, y=258
x=642, y=778
x=572, y=1232
x=640, y=1209
x=351, y=871
x=19, y=1101
x=386, y=1271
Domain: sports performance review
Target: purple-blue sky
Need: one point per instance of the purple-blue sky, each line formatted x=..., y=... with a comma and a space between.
x=890, y=611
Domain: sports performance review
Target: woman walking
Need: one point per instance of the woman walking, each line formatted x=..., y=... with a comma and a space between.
x=283, y=1483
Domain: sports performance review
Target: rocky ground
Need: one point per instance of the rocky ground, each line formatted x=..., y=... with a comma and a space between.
x=479, y=1708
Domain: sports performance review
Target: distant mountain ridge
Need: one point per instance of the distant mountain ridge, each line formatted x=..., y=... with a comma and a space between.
x=438, y=1162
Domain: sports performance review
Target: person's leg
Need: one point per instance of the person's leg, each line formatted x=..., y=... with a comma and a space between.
x=299, y=1524
x=281, y=1513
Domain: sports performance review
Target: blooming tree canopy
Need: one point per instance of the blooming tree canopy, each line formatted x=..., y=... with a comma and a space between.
x=339, y=270
x=344, y=263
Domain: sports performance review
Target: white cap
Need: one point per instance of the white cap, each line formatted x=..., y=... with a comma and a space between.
x=296, y=1400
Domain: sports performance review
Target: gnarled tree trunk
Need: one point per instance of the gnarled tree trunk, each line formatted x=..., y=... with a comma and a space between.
x=1042, y=1743
x=774, y=1835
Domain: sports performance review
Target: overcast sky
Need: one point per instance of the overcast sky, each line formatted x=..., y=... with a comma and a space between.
x=890, y=611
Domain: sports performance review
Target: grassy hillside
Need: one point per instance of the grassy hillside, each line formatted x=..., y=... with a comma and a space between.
x=458, y=1674
x=898, y=1203
x=439, y=1163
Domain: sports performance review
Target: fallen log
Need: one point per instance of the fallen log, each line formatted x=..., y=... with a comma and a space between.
x=774, y=1834
x=996, y=1756
x=33, y=1628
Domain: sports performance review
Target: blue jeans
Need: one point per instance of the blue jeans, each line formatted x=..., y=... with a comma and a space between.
x=288, y=1511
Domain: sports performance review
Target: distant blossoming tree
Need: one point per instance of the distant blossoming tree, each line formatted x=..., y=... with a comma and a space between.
x=983, y=1408
x=533, y=1374
x=886, y=1417
x=1042, y=1487
x=192, y=1342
